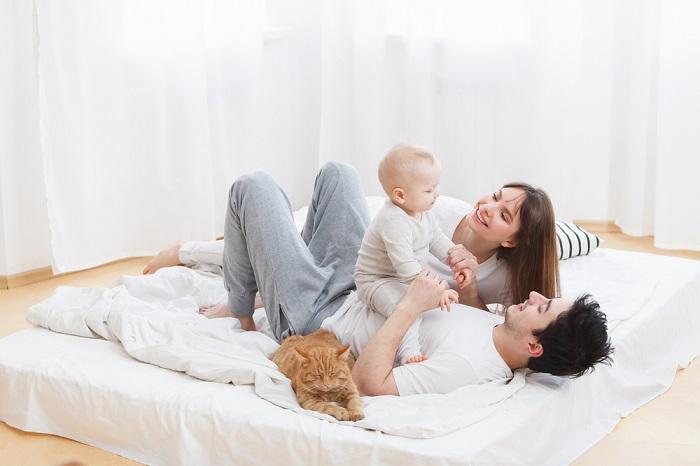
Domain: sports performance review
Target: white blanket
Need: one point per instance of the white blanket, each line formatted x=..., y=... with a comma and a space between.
x=155, y=319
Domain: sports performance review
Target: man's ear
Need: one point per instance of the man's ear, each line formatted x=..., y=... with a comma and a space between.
x=534, y=349
x=398, y=195
x=510, y=243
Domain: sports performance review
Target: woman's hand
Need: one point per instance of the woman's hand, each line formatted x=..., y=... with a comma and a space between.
x=463, y=264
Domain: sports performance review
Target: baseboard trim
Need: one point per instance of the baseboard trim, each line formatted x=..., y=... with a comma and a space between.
x=25, y=278
x=598, y=226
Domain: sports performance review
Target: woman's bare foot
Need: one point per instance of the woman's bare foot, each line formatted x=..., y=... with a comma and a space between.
x=165, y=258
x=220, y=310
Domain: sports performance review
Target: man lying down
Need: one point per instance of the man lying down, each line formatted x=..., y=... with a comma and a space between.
x=467, y=345
x=305, y=282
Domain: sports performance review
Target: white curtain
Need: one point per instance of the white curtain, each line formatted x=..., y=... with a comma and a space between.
x=124, y=122
x=677, y=199
x=595, y=101
x=149, y=109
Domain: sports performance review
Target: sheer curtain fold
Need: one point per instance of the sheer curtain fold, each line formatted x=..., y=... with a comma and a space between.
x=590, y=100
x=150, y=109
x=677, y=194
x=124, y=128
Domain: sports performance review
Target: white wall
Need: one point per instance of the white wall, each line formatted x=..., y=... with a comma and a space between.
x=24, y=229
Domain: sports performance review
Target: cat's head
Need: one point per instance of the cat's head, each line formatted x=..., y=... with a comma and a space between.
x=323, y=370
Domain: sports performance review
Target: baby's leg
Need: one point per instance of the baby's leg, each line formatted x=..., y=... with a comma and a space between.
x=382, y=296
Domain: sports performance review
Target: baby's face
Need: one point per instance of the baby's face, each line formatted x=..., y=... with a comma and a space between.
x=423, y=191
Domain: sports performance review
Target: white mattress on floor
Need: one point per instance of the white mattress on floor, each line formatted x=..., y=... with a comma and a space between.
x=90, y=390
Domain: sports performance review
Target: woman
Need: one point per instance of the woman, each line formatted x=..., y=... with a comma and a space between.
x=506, y=243
x=509, y=243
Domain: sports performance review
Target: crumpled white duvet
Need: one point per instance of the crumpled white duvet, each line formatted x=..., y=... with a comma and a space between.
x=155, y=319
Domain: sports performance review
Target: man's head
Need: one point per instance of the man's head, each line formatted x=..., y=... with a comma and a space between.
x=559, y=336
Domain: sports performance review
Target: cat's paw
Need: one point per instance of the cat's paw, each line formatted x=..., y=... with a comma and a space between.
x=356, y=415
x=340, y=413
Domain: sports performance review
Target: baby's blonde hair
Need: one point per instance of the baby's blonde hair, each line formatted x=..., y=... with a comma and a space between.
x=400, y=165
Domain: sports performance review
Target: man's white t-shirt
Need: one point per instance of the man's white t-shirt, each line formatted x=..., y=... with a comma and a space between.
x=459, y=346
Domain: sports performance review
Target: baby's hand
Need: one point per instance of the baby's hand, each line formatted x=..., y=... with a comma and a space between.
x=416, y=359
x=448, y=297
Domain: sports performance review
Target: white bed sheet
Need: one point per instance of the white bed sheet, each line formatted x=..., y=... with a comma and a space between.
x=92, y=391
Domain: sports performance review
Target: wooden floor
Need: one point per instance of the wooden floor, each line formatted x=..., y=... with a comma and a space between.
x=664, y=431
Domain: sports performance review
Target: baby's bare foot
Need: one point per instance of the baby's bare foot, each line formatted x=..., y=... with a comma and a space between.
x=165, y=258
x=416, y=359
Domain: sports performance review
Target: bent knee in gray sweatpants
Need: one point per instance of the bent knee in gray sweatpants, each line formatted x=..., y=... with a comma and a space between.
x=304, y=278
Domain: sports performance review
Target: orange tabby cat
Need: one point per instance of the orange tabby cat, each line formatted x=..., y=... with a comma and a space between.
x=319, y=368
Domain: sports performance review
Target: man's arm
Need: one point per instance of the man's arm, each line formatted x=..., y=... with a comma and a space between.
x=372, y=371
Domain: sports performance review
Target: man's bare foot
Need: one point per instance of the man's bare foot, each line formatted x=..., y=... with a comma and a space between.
x=416, y=359
x=165, y=258
x=215, y=311
x=220, y=310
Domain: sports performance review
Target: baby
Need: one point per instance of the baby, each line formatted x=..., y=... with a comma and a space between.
x=396, y=245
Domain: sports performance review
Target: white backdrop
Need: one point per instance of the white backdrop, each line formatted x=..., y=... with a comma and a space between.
x=149, y=109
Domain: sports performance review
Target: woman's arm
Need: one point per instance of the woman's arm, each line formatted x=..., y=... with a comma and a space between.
x=464, y=265
x=372, y=371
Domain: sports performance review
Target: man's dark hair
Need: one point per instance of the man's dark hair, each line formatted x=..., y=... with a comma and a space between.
x=574, y=342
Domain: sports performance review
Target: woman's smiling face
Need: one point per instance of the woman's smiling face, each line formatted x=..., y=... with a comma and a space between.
x=496, y=216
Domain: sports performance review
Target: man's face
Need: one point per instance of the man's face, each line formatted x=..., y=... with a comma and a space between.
x=536, y=313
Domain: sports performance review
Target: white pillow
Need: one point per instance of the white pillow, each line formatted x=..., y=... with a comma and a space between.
x=573, y=240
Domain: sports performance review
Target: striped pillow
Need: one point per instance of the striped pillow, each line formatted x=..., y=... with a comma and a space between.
x=573, y=240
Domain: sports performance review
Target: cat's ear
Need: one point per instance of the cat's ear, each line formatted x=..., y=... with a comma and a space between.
x=343, y=353
x=302, y=353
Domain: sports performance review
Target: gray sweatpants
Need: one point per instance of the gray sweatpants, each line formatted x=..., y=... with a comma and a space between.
x=304, y=278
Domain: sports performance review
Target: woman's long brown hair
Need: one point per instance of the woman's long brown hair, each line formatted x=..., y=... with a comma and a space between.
x=533, y=262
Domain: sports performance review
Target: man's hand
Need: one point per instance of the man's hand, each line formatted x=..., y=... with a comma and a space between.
x=463, y=264
x=372, y=371
x=424, y=293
